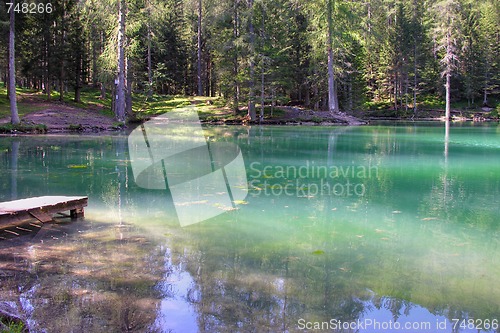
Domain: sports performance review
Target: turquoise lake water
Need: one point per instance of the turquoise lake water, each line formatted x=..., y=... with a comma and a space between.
x=380, y=228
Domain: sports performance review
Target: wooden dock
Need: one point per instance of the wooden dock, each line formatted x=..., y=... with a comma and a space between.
x=40, y=208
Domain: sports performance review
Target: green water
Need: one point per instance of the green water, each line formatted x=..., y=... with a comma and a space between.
x=388, y=225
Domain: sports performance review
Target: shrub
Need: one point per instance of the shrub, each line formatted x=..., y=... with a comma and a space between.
x=23, y=128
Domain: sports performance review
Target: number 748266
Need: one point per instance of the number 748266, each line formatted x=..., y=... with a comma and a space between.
x=29, y=7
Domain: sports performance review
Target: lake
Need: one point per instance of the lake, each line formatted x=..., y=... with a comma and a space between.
x=380, y=228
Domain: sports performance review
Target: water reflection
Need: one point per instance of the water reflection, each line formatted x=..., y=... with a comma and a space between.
x=13, y=162
x=420, y=244
x=177, y=311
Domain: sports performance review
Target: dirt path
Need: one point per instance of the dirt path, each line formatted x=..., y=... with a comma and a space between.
x=60, y=118
x=63, y=118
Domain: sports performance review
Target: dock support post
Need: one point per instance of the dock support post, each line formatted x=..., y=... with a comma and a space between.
x=76, y=213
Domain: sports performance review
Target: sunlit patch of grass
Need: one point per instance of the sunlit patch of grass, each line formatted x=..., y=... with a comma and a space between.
x=208, y=108
x=377, y=105
x=23, y=128
x=23, y=107
x=144, y=107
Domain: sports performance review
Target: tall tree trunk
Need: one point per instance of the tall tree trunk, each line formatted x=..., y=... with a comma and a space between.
x=485, y=89
x=200, y=84
x=262, y=95
x=128, y=92
x=94, y=42
x=415, y=79
x=236, y=96
x=150, y=65
x=448, y=65
x=208, y=75
x=80, y=46
x=263, y=69
x=63, y=55
x=12, y=70
x=120, y=88
x=333, y=103
x=251, y=93
x=447, y=87
x=350, y=101
x=396, y=80
x=78, y=76
x=273, y=100
x=149, y=61
x=45, y=78
x=307, y=100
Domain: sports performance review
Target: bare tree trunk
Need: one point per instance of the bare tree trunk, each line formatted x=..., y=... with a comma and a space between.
x=415, y=79
x=273, y=100
x=396, y=90
x=316, y=97
x=94, y=55
x=447, y=87
x=485, y=89
x=235, y=61
x=48, y=65
x=149, y=61
x=349, y=95
x=128, y=92
x=406, y=91
x=150, y=72
x=262, y=96
x=12, y=70
x=5, y=79
x=120, y=89
x=103, y=90
x=251, y=94
x=262, y=78
x=448, y=75
x=208, y=75
x=333, y=103
x=200, y=84
x=48, y=85
x=78, y=77
x=63, y=41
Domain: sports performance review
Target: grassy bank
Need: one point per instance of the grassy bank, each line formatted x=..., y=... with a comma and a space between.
x=209, y=109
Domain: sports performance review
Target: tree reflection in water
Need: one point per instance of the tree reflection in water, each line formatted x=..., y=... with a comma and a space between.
x=398, y=253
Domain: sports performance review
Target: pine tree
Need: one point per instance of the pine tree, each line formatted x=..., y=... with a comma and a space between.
x=333, y=101
x=12, y=69
x=120, y=88
x=490, y=31
x=447, y=15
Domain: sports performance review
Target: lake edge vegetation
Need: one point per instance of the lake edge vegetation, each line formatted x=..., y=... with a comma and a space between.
x=388, y=58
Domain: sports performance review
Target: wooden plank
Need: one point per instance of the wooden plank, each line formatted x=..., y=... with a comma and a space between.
x=40, y=215
x=24, y=229
x=42, y=208
x=37, y=202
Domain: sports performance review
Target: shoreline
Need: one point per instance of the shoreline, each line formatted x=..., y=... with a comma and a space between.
x=291, y=123
x=78, y=121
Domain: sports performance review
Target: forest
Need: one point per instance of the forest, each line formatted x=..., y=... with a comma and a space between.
x=334, y=55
